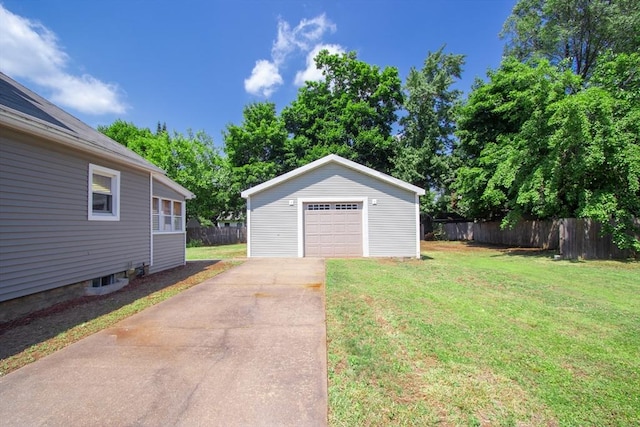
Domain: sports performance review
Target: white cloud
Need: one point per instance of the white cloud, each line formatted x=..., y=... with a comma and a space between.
x=264, y=79
x=31, y=51
x=302, y=37
x=311, y=73
x=306, y=36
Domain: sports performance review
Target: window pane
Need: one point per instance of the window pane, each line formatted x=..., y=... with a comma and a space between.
x=156, y=222
x=177, y=208
x=177, y=223
x=155, y=205
x=101, y=184
x=166, y=207
x=166, y=223
x=102, y=203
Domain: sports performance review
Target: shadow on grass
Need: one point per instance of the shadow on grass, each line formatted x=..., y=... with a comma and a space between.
x=37, y=327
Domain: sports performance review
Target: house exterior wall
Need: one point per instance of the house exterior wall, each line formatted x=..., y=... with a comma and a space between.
x=168, y=251
x=161, y=190
x=391, y=222
x=168, y=248
x=46, y=239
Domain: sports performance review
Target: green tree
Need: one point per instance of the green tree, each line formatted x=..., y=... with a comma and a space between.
x=255, y=152
x=423, y=154
x=577, y=32
x=532, y=148
x=191, y=160
x=350, y=113
x=501, y=130
x=597, y=146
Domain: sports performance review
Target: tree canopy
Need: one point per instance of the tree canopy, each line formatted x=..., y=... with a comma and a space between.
x=350, y=112
x=255, y=151
x=424, y=146
x=530, y=148
x=191, y=160
x=577, y=32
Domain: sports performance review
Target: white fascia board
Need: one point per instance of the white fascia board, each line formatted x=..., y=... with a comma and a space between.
x=336, y=159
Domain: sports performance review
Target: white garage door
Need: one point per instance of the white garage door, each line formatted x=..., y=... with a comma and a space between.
x=333, y=230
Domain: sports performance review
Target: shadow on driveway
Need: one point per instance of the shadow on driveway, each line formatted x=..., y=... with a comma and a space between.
x=37, y=327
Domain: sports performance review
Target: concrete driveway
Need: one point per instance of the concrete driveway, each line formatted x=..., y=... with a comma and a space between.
x=246, y=348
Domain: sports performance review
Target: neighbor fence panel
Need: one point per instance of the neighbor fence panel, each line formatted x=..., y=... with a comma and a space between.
x=213, y=236
x=581, y=238
x=527, y=234
x=459, y=230
x=574, y=238
x=534, y=234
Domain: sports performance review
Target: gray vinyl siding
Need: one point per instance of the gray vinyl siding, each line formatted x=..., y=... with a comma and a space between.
x=168, y=248
x=161, y=190
x=392, y=221
x=168, y=251
x=46, y=240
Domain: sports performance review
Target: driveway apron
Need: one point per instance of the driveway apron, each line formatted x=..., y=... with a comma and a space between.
x=245, y=348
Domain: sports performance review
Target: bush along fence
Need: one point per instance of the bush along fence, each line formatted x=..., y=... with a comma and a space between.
x=572, y=238
x=215, y=236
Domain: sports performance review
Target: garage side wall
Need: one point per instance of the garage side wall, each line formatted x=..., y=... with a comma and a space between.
x=391, y=221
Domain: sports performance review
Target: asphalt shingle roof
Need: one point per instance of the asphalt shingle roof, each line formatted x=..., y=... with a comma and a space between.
x=17, y=100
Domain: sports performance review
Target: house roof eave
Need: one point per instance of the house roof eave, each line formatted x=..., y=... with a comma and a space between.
x=33, y=126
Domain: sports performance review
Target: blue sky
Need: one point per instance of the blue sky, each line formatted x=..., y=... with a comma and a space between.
x=195, y=64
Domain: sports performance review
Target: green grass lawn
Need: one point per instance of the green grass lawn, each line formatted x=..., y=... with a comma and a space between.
x=217, y=252
x=473, y=336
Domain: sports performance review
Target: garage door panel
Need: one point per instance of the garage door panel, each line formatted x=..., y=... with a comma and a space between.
x=333, y=231
x=353, y=228
x=325, y=229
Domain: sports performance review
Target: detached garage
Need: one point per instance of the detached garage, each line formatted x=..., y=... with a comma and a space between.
x=333, y=207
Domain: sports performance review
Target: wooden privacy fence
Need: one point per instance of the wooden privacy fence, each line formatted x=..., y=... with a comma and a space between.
x=573, y=238
x=214, y=236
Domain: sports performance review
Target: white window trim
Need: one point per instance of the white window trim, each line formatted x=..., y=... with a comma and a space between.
x=365, y=218
x=115, y=189
x=182, y=214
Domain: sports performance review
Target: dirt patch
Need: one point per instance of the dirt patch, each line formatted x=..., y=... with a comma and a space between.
x=43, y=332
x=445, y=246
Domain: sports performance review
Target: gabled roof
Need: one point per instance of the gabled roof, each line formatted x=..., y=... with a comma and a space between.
x=26, y=111
x=333, y=158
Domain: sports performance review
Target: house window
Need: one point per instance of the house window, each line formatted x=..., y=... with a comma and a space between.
x=104, y=194
x=103, y=281
x=166, y=215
